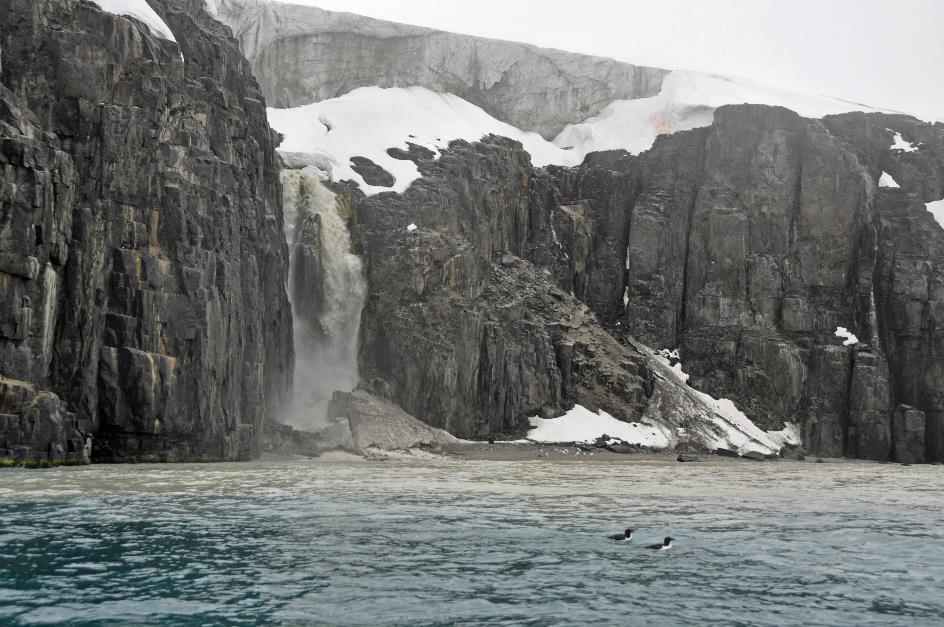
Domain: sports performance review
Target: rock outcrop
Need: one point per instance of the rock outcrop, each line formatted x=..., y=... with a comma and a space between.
x=377, y=423
x=472, y=322
x=744, y=245
x=142, y=259
x=304, y=54
x=753, y=240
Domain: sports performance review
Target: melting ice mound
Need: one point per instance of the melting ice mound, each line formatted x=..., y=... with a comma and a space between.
x=367, y=121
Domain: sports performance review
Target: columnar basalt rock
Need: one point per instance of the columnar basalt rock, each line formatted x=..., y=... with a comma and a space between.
x=745, y=244
x=785, y=236
x=459, y=329
x=473, y=321
x=909, y=294
x=909, y=426
x=141, y=238
x=37, y=193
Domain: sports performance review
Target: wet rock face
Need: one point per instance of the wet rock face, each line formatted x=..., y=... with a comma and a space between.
x=143, y=263
x=37, y=193
x=745, y=244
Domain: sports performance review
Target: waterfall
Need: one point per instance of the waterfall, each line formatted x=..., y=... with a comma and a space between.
x=327, y=291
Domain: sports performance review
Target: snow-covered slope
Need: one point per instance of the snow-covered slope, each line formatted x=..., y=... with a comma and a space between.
x=687, y=101
x=141, y=10
x=368, y=121
x=716, y=423
x=727, y=427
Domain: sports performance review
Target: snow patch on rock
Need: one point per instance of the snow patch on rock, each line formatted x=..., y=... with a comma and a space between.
x=367, y=121
x=141, y=10
x=687, y=100
x=582, y=425
x=886, y=180
x=727, y=426
x=788, y=436
x=936, y=207
x=850, y=339
x=899, y=143
x=733, y=429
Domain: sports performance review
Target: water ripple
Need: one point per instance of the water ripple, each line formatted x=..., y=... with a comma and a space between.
x=494, y=543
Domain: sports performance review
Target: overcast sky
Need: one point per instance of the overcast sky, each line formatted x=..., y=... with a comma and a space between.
x=883, y=53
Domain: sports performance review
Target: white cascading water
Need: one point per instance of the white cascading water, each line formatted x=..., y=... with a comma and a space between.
x=327, y=290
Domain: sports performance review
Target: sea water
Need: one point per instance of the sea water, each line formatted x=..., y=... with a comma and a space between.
x=461, y=542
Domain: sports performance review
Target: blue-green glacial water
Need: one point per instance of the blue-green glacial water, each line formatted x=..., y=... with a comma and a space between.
x=441, y=542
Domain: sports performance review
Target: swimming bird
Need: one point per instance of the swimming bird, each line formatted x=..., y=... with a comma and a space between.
x=665, y=544
x=626, y=536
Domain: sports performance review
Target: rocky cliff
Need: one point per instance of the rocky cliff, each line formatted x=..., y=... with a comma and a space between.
x=303, y=54
x=143, y=263
x=745, y=245
x=143, y=313
x=471, y=320
x=753, y=240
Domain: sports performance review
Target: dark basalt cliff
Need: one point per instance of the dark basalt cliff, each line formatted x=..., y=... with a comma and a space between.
x=462, y=328
x=770, y=233
x=143, y=265
x=142, y=260
x=745, y=244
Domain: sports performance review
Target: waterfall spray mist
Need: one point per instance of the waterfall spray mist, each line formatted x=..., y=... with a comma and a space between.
x=327, y=291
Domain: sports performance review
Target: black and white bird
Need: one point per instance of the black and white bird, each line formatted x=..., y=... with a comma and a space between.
x=626, y=536
x=662, y=546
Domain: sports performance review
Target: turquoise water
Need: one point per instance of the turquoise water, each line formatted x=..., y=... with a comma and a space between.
x=472, y=543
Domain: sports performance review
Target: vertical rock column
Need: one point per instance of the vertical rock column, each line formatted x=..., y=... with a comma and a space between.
x=169, y=334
